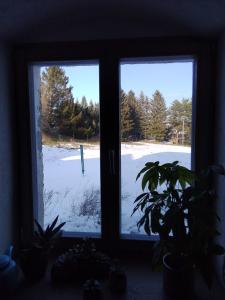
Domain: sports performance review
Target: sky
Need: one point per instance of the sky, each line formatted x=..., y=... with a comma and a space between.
x=173, y=80
x=85, y=81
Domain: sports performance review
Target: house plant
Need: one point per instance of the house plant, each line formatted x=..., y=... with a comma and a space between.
x=179, y=206
x=34, y=260
x=83, y=261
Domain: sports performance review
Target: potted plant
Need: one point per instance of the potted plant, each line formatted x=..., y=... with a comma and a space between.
x=34, y=260
x=80, y=263
x=179, y=206
x=117, y=278
x=92, y=290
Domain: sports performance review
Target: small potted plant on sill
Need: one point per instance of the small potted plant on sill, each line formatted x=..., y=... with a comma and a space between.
x=179, y=207
x=81, y=262
x=34, y=260
x=92, y=290
x=117, y=278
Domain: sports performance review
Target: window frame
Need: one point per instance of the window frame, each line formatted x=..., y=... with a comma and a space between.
x=109, y=53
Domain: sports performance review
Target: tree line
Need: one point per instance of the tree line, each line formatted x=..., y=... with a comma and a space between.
x=60, y=113
x=141, y=117
x=149, y=118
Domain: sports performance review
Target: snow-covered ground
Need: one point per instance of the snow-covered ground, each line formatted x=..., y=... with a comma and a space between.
x=75, y=197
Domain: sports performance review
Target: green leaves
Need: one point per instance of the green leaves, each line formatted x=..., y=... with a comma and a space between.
x=155, y=219
x=40, y=230
x=140, y=197
x=147, y=167
x=182, y=214
x=170, y=174
x=44, y=237
x=142, y=200
x=53, y=223
x=146, y=226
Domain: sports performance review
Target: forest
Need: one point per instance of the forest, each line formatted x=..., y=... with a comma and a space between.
x=141, y=116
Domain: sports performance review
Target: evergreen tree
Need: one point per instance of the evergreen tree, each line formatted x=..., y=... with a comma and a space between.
x=60, y=114
x=91, y=105
x=134, y=109
x=84, y=102
x=85, y=130
x=144, y=112
x=66, y=116
x=158, y=116
x=44, y=108
x=126, y=121
x=77, y=119
x=96, y=119
x=54, y=92
x=179, y=116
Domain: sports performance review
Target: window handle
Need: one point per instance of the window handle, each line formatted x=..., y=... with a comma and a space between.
x=112, y=161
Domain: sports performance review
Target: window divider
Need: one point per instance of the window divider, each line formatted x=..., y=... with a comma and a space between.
x=110, y=168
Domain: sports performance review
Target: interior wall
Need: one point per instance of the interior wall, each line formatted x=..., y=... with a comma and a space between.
x=7, y=175
x=219, y=154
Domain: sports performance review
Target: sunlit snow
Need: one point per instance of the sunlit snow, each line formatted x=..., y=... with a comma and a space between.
x=65, y=188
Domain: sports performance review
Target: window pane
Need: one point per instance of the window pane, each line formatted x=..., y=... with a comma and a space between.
x=66, y=106
x=155, y=124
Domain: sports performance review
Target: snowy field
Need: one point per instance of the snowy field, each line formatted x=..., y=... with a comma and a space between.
x=76, y=197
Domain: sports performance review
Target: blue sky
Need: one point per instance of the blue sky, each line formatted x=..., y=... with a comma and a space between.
x=173, y=79
x=85, y=81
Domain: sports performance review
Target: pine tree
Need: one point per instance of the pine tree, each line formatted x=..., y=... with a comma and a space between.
x=84, y=102
x=66, y=116
x=134, y=115
x=96, y=119
x=158, y=116
x=44, y=109
x=75, y=121
x=144, y=112
x=54, y=92
x=126, y=121
x=179, y=115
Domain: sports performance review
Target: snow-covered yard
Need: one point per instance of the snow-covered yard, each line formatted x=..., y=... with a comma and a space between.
x=75, y=197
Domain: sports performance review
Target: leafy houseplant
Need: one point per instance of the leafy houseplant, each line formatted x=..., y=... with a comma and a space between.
x=34, y=259
x=179, y=207
x=81, y=262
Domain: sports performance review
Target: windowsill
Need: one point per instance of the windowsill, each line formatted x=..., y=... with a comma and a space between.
x=139, y=237
x=123, y=236
x=71, y=234
x=142, y=283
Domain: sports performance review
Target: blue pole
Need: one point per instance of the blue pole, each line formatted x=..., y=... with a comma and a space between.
x=82, y=158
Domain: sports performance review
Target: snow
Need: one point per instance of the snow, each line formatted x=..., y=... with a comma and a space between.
x=65, y=188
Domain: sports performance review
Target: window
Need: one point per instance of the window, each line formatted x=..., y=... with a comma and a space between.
x=155, y=122
x=66, y=99
x=85, y=169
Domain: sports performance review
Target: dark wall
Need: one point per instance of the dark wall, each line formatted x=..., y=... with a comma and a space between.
x=219, y=151
x=7, y=172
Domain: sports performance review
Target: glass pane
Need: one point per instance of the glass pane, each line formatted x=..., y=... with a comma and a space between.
x=155, y=123
x=68, y=135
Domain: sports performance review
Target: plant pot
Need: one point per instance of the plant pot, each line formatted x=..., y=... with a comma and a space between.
x=117, y=281
x=33, y=262
x=92, y=290
x=177, y=277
